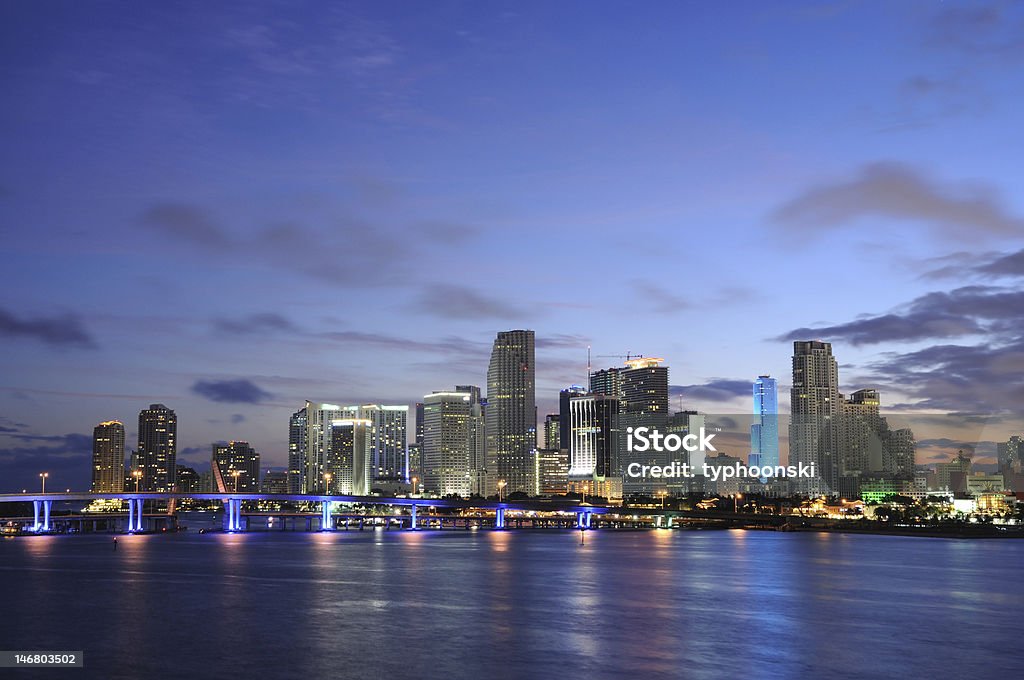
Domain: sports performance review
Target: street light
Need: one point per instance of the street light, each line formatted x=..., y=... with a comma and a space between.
x=501, y=485
x=43, y=476
x=735, y=502
x=586, y=488
x=327, y=482
x=414, y=481
x=236, y=474
x=137, y=474
x=663, y=494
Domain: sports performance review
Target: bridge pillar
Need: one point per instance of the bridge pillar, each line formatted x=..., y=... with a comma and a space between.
x=138, y=513
x=586, y=517
x=35, y=512
x=671, y=522
x=46, y=515
x=326, y=522
x=580, y=520
x=412, y=523
x=499, y=518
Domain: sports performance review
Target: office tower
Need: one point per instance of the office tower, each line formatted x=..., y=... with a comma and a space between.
x=318, y=440
x=764, y=432
x=348, y=464
x=157, y=452
x=416, y=463
x=230, y=458
x=552, y=436
x=815, y=405
x=454, y=443
x=387, y=441
x=861, y=431
x=607, y=381
x=419, y=424
x=297, y=451
x=188, y=479
x=274, y=482
x=564, y=428
x=108, y=457
x=511, y=413
x=643, y=386
x=553, y=471
x=594, y=443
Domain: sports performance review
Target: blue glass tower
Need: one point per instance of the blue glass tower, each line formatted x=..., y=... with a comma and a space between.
x=764, y=433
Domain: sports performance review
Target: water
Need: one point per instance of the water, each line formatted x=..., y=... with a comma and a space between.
x=526, y=604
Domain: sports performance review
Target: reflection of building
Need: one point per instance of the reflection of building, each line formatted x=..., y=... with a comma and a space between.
x=232, y=457
x=157, y=453
x=453, y=443
x=108, y=457
x=511, y=412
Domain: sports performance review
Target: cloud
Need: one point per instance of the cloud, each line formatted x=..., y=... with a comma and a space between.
x=254, y=323
x=237, y=418
x=977, y=31
x=889, y=190
x=238, y=391
x=659, y=299
x=64, y=330
x=185, y=222
x=451, y=301
x=716, y=389
x=562, y=341
x=447, y=345
x=1006, y=265
x=66, y=457
x=970, y=310
x=447, y=233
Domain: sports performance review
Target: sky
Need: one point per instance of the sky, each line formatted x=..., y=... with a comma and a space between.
x=230, y=208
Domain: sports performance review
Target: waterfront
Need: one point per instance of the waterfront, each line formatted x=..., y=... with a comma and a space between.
x=514, y=604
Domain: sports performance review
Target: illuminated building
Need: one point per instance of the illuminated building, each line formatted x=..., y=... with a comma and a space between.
x=454, y=443
x=231, y=457
x=157, y=452
x=553, y=471
x=815, y=407
x=593, y=439
x=564, y=427
x=348, y=464
x=108, y=457
x=188, y=479
x=274, y=482
x=764, y=432
x=552, y=434
x=511, y=413
x=643, y=390
x=387, y=441
x=297, y=429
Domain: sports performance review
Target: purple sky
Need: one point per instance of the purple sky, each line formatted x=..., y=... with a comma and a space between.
x=231, y=208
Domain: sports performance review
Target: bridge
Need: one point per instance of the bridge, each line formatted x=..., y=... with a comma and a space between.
x=43, y=518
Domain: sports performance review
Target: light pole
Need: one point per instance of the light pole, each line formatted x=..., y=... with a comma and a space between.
x=501, y=485
x=586, y=488
x=736, y=502
x=236, y=474
x=663, y=494
x=414, y=480
x=327, y=483
x=137, y=474
x=43, y=476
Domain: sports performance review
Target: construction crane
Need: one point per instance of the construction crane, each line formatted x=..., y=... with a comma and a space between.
x=626, y=356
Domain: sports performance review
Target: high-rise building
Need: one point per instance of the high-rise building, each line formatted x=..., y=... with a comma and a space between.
x=230, y=458
x=108, y=457
x=643, y=386
x=189, y=480
x=387, y=441
x=553, y=471
x=815, y=407
x=1009, y=454
x=157, y=453
x=898, y=452
x=274, y=482
x=564, y=426
x=511, y=412
x=318, y=441
x=861, y=430
x=453, y=443
x=348, y=463
x=419, y=423
x=606, y=381
x=594, y=442
x=552, y=435
x=764, y=432
x=297, y=430
x=683, y=423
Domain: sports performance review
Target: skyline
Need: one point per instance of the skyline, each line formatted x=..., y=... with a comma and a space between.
x=235, y=210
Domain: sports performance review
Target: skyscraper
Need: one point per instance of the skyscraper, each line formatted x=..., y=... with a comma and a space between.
x=453, y=443
x=108, y=457
x=643, y=386
x=231, y=457
x=387, y=441
x=318, y=441
x=594, y=444
x=764, y=432
x=552, y=434
x=815, y=405
x=297, y=451
x=157, y=453
x=348, y=463
x=564, y=426
x=511, y=412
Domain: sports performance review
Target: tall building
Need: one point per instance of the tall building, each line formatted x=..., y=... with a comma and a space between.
x=564, y=427
x=814, y=406
x=643, y=387
x=606, y=381
x=318, y=441
x=189, y=480
x=683, y=423
x=552, y=433
x=453, y=443
x=511, y=413
x=157, y=452
x=231, y=457
x=297, y=428
x=861, y=430
x=419, y=423
x=764, y=432
x=899, y=451
x=108, y=457
x=594, y=443
x=1009, y=454
x=274, y=482
x=387, y=441
x=553, y=471
x=348, y=462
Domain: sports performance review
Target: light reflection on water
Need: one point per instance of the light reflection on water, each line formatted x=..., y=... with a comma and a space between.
x=679, y=604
